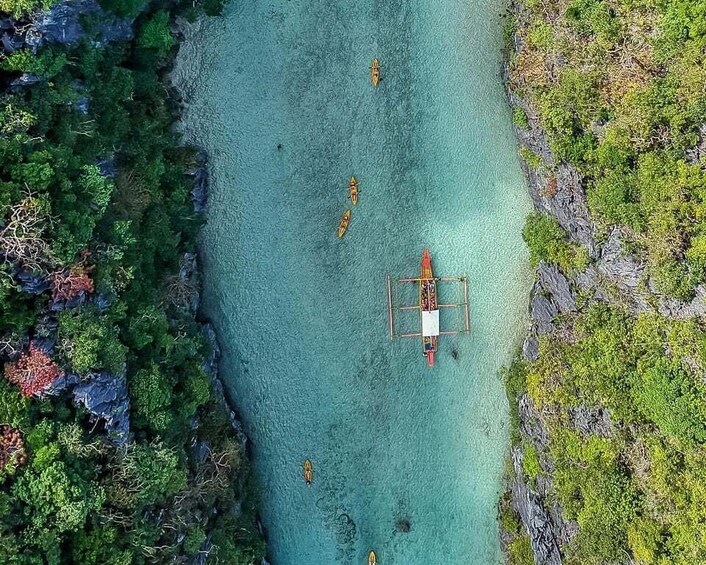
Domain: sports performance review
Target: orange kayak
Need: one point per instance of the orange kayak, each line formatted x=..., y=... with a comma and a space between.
x=375, y=72
x=353, y=190
x=308, y=473
x=343, y=226
x=372, y=559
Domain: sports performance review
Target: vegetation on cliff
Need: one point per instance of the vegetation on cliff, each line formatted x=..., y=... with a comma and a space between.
x=615, y=434
x=114, y=447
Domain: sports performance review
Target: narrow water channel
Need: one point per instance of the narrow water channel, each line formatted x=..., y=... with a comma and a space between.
x=278, y=92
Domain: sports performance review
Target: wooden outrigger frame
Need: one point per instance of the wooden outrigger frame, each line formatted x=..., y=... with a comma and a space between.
x=391, y=307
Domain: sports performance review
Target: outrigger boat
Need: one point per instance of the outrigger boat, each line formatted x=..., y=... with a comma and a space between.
x=353, y=190
x=429, y=310
x=375, y=72
x=308, y=473
x=429, y=307
x=372, y=559
x=343, y=226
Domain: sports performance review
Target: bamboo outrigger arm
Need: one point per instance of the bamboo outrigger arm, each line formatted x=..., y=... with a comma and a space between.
x=441, y=279
x=391, y=308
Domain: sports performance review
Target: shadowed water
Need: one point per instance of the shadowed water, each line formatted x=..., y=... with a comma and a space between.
x=302, y=315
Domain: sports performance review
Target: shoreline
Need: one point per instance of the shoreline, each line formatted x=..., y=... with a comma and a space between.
x=132, y=365
x=601, y=270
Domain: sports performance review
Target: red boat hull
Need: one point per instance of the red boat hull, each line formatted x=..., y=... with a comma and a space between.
x=427, y=302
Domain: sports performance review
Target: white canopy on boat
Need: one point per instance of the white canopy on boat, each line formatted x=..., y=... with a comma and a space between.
x=430, y=323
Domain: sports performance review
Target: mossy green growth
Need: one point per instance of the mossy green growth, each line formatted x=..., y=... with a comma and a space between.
x=547, y=241
x=530, y=462
x=533, y=160
x=519, y=118
x=519, y=551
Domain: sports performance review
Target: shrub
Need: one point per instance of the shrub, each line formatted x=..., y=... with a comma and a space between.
x=533, y=160
x=530, y=462
x=155, y=34
x=519, y=118
x=33, y=372
x=547, y=241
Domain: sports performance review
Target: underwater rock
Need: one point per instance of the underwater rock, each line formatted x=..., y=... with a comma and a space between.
x=403, y=525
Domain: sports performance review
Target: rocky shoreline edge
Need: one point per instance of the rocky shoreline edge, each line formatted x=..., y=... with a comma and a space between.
x=105, y=396
x=612, y=276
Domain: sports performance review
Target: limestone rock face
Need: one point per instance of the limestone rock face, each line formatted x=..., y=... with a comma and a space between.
x=106, y=397
x=199, y=194
x=591, y=421
x=626, y=271
x=543, y=311
x=673, y=308
x=553, y=282
x=535, y=518
x=62, y=24
x=530, y=347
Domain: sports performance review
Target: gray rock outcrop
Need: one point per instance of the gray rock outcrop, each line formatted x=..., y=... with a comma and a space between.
x=543, y=311
x=199, y=193
x=591, y=421
x=105, y=396
x=552, y=281
x=210, y=367
x=672, y=308
x=534, y=516
x=624, y=270
x=62, y=25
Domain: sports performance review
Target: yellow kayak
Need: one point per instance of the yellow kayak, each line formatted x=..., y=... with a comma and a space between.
x=353, y=190
x=308, y=472
x=343, y=226
x=375, y=72
x=372, y=559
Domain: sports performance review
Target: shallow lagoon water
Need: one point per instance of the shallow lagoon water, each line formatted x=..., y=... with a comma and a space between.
x=302, y=315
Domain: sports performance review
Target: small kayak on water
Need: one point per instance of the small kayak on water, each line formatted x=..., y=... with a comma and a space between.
x=353, y=190
x=343, y=226
x=375, y=72
x=308, y=472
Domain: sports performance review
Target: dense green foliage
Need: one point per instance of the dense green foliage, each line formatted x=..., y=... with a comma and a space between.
x=79, y=498
x=640, y=488
x=618, y=86
x=547, y=241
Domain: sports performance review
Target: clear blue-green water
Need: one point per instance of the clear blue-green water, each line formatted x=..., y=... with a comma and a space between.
x=302, y=315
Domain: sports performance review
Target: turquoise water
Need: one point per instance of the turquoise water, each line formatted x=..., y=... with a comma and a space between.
x=302, y=315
